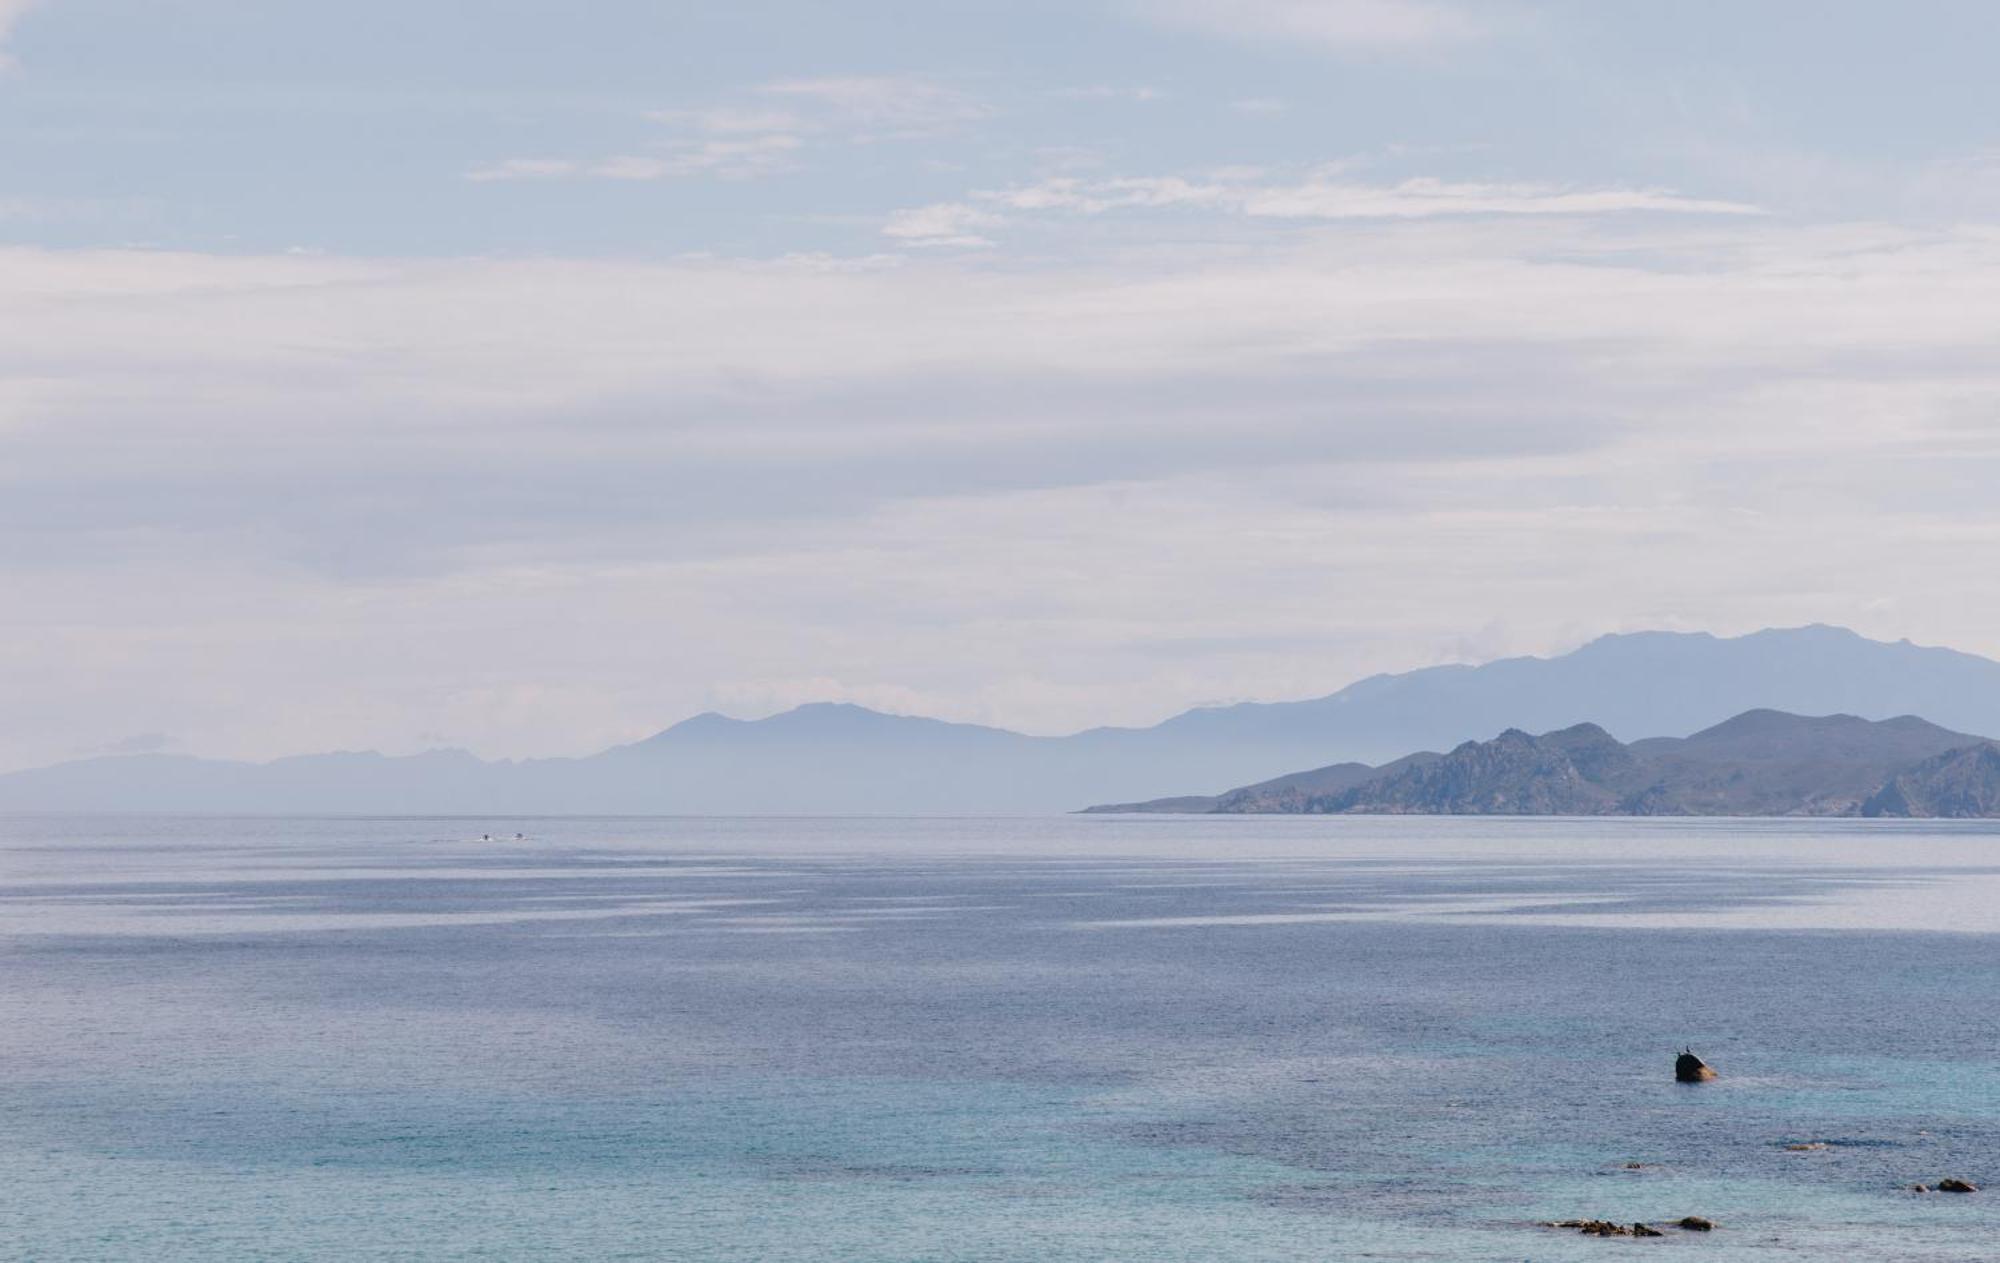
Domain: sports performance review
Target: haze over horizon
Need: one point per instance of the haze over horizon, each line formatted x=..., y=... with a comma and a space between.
x=1834, y=708
x=516, y=379
x=1750, y=700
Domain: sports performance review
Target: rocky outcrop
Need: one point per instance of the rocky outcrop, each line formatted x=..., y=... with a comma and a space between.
x=1959, y=784
x=1600, y=1227
x=1610, y=1228
x=1689, y=1068
x=1573, y=772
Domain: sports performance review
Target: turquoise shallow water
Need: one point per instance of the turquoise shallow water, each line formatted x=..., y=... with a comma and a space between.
x=992, y=1040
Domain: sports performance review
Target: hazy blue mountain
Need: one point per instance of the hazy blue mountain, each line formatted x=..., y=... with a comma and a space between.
x=1638, y=685
x=1762, y=763
x=838, y=759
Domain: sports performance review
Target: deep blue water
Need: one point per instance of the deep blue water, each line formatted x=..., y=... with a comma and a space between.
x=1079, y=1039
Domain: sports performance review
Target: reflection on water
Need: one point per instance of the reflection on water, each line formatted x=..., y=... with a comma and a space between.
x=1032, y=1039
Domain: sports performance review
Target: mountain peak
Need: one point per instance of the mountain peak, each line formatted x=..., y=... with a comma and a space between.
x=1765, y=724
x=1821, y=633
x=1611, y=639
x=1763, y=721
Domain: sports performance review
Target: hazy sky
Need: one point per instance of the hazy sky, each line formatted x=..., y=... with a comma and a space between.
x=527, y=376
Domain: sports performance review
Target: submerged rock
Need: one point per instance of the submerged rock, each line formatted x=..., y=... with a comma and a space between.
x=1689, y=1068
x=1957, y=1186
x=1641, y=1230
x=1695, y=1223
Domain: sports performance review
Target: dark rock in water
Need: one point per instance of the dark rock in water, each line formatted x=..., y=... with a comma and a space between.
x=1957, y=1186
x=1592, y=1227
x=1695, y=1223
x=1689, y=1068
x=1606, y=1228
x=1809, y=1146
x=1920, y=1188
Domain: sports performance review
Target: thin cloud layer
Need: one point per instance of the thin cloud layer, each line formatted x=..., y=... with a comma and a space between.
x=726, y=157
x=1253, y=194
x=1040, y=365
x=1323, y=198
x=1023, y=467
x=1338, y=25
x=943, y=224
x=896, y=106
x=752, y=138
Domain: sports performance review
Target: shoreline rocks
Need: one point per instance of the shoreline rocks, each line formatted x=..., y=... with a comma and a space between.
x=1598, y=1227
x=1611, y=1228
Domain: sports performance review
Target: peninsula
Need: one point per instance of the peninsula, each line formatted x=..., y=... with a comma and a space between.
x=1761, y=763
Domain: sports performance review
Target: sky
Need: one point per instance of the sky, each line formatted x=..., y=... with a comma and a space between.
x=526, y=377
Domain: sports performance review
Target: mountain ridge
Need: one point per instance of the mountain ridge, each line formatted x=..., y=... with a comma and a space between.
x=1760, y=763
x=839, y=758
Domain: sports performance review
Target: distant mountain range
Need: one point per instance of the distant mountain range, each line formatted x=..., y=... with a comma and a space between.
x=842, y=759
x=1761, y=763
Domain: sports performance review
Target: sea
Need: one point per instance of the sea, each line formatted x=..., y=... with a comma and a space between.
x=1079, y=1039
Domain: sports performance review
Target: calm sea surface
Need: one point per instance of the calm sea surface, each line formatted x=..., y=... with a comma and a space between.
x=1081, y=1039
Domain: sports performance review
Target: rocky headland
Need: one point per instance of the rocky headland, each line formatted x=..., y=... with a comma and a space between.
x=1761, y=763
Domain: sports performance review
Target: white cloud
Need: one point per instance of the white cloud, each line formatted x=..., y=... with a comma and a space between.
x=1426, y=197
x=1320, y=198
x=1140, y=94
x=1343, y=25
x=942, y=224
x=728, y=119
x=732, y=158
x=1094, y=197
x=524, y=169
